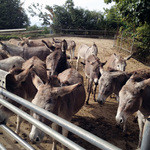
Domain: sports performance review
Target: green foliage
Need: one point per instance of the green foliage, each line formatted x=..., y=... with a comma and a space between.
x=70, y=17
x=113, y=18
x=46, y=30
x=12, y=15
x=135, y=16
x=133, y=11
x=7, y=37
x=31, y=28
x=143, y=41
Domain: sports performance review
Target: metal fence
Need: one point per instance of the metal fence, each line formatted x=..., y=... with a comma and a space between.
x=98, y=142
x=123, y=42
x=87, y=136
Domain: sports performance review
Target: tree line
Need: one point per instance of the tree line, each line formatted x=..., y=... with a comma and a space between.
x=125, y=16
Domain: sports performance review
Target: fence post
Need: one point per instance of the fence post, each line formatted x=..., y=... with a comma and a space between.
x=121, y=42
x=132, y=45
x=115, y=38
x=146, y=136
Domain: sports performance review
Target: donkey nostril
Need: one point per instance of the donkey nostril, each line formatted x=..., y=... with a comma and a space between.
x=37, y=139
x=121, y=120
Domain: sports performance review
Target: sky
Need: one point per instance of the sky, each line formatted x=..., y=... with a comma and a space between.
x=96, y=5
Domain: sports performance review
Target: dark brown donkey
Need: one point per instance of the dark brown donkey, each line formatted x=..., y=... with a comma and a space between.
x=71, y=45
x=56, y=62
x=21, y=84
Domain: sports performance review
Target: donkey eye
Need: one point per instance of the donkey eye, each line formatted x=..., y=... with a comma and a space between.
x=130, y=101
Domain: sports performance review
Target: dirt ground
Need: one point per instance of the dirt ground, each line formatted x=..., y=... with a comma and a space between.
x=99, y=120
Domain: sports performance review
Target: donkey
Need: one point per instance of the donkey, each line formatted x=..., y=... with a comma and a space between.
x=135, y=96
x=20, y=83
x=92, y=72
x=3, y=55
x=32, y=43
x=111, y=81
x=117, y=62
x=26, y=52
x=8, y=63
x=65, y=100
x=71, y=45
x=15, y=42
x=56, y=62
x=84, y=51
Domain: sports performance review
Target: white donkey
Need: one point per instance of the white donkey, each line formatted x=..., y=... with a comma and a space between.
x=84, y=51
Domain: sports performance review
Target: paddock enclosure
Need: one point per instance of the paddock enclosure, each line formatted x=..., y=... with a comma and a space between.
x=99, y=120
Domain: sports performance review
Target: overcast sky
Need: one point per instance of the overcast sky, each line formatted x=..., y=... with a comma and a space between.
x=97, y=5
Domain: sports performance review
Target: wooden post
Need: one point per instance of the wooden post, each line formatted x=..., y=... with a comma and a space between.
x=132, y=45
x=121, y=42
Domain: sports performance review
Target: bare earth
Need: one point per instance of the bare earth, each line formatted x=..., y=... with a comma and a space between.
x=99, y=120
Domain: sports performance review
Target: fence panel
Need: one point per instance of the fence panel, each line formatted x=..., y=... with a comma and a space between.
x=124, y=43
x=98, y=142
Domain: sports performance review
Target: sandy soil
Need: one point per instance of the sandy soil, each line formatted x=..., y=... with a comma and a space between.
x=99, y=120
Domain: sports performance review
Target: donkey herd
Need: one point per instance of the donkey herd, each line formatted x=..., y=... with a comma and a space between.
x=41, y=73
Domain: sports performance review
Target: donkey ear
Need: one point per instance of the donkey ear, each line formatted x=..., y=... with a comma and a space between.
x=102, y=64
x=21, y=77
x=21, y=38
x=64, y=45
x=128, y=57
x=133, y=75
x=61, y=91
x=37, y=82
x=141, y=85
x=101, y=69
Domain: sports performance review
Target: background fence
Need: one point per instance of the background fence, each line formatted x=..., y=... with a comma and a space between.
x=89, y=33
x=63, y=32
x=124, y=42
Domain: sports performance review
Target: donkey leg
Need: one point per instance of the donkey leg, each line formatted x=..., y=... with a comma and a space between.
x=141, y=126
x=73, y=52
x=70, y=55
x=65, y=134
x=56, y=128
x=77, y=63
x=19, y=120
x=94, y=93
x=89, y=90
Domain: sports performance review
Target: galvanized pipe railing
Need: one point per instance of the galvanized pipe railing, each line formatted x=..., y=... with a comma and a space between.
x=146, y=136
x=2, y=147
x=16, y=137
x=98, y=142
x=46, y=129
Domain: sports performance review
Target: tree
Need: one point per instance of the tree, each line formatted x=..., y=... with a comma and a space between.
x=133, y=11
x=135, y=15
x=113, y=18
x=12, y=15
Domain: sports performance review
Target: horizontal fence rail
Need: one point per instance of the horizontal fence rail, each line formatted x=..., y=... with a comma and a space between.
x=59, y=137
x=88, y=33
x=13, y=30
x=2, y=147
x=16, y=137
x=94, y=140
x=146, y=136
